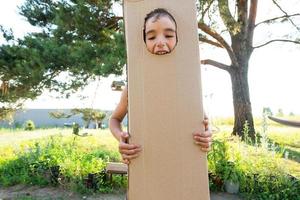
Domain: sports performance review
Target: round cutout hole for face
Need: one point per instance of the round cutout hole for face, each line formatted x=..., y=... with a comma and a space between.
x=160, y=32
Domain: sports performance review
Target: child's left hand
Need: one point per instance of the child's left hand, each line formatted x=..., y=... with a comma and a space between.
x=203, y=139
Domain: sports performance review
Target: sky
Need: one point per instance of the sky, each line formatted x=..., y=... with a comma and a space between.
x=274, y=75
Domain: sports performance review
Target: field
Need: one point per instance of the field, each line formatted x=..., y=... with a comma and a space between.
x=268, y=169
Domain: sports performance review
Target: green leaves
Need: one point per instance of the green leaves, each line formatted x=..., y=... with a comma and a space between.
x=80, y=38
x=33, y=162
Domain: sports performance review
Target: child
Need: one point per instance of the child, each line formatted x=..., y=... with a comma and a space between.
x=160, y=37
x=160, y=32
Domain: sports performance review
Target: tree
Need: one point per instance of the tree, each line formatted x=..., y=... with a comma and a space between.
x=267, y=111
x=7, y=114
x=59, y=115
x=79, y=40
x=89, y=114
x=279, y=113
x=291, y=114
x=230, y=25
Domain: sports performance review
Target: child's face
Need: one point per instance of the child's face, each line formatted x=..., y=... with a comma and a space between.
x=160, y=35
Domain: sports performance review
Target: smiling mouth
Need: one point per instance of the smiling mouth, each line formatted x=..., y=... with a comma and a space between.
x=161, y=52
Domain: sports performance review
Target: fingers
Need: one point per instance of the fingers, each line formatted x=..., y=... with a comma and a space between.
x=203, y=142
x=129, y=157
x=128, y=151
x=205, y=149
x=129, y=154
x=126, y=161
x=203, y=139
x=204, y=146
x=204, y=134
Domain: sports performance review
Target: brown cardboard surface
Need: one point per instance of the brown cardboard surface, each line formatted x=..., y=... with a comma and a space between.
x=165, y=107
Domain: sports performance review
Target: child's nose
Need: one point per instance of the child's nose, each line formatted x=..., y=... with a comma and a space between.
x=161, y=42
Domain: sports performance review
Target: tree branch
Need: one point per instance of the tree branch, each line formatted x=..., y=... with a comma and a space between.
x=242, y=14
x=227, y=18
x=205, y=10
x=205, y=40
x=220, y=39
x=276, y=40
x=278, y=6
x=276, y=18
x=251, y=21
x=216, y=64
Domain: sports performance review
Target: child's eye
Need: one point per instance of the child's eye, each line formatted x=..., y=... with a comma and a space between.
x=151, y=38
x=169, y=36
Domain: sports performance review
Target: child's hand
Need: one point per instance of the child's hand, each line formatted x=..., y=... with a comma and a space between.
x=203, y=139
x=128, y=151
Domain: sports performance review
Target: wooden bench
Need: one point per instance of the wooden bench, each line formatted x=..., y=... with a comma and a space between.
x=116, y=168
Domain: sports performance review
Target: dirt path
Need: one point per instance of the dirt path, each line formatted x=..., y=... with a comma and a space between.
x=50, y=193
x=53, y=193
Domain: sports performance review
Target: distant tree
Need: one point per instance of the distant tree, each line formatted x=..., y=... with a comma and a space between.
x=279, y=113
x=88, y=115
x=59, y=115
x=267, y=111
x=291, y=114
x=7, y=114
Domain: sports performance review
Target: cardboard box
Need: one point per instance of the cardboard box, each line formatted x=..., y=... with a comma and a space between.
x=165, y=108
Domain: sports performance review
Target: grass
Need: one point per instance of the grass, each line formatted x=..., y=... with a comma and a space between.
x=284, y=139
x=28, y=159
x=288, y=140
x=22, y=140
x=261, y=169
x=78, y=156
x=286, y=136
x=11, y=137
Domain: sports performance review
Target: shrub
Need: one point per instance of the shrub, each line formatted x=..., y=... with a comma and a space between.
x=29, y=125
x=259, y=169
x=68, y=161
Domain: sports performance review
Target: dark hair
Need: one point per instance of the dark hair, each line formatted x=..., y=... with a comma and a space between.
x=157, y=13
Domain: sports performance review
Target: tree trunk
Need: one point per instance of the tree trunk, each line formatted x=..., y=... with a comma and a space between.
x=242, y=104
x=96, y=124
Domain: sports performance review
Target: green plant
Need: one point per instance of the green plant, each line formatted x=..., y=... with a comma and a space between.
x=59, y=160
x=75, y=127
x=217, y=159
x=29, y=125
x=232, y=172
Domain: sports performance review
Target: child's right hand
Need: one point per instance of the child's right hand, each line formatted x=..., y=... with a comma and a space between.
x=128, y=151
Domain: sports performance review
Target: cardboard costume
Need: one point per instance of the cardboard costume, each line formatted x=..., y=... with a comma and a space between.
x=165, y=107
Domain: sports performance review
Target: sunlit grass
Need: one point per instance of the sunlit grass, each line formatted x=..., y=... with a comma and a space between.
x=10, y=137
x=27, y=157
x=285, y=135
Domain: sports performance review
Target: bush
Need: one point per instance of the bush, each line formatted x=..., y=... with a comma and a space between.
x=29, y=125
x=68, y=161
x=259, y=169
